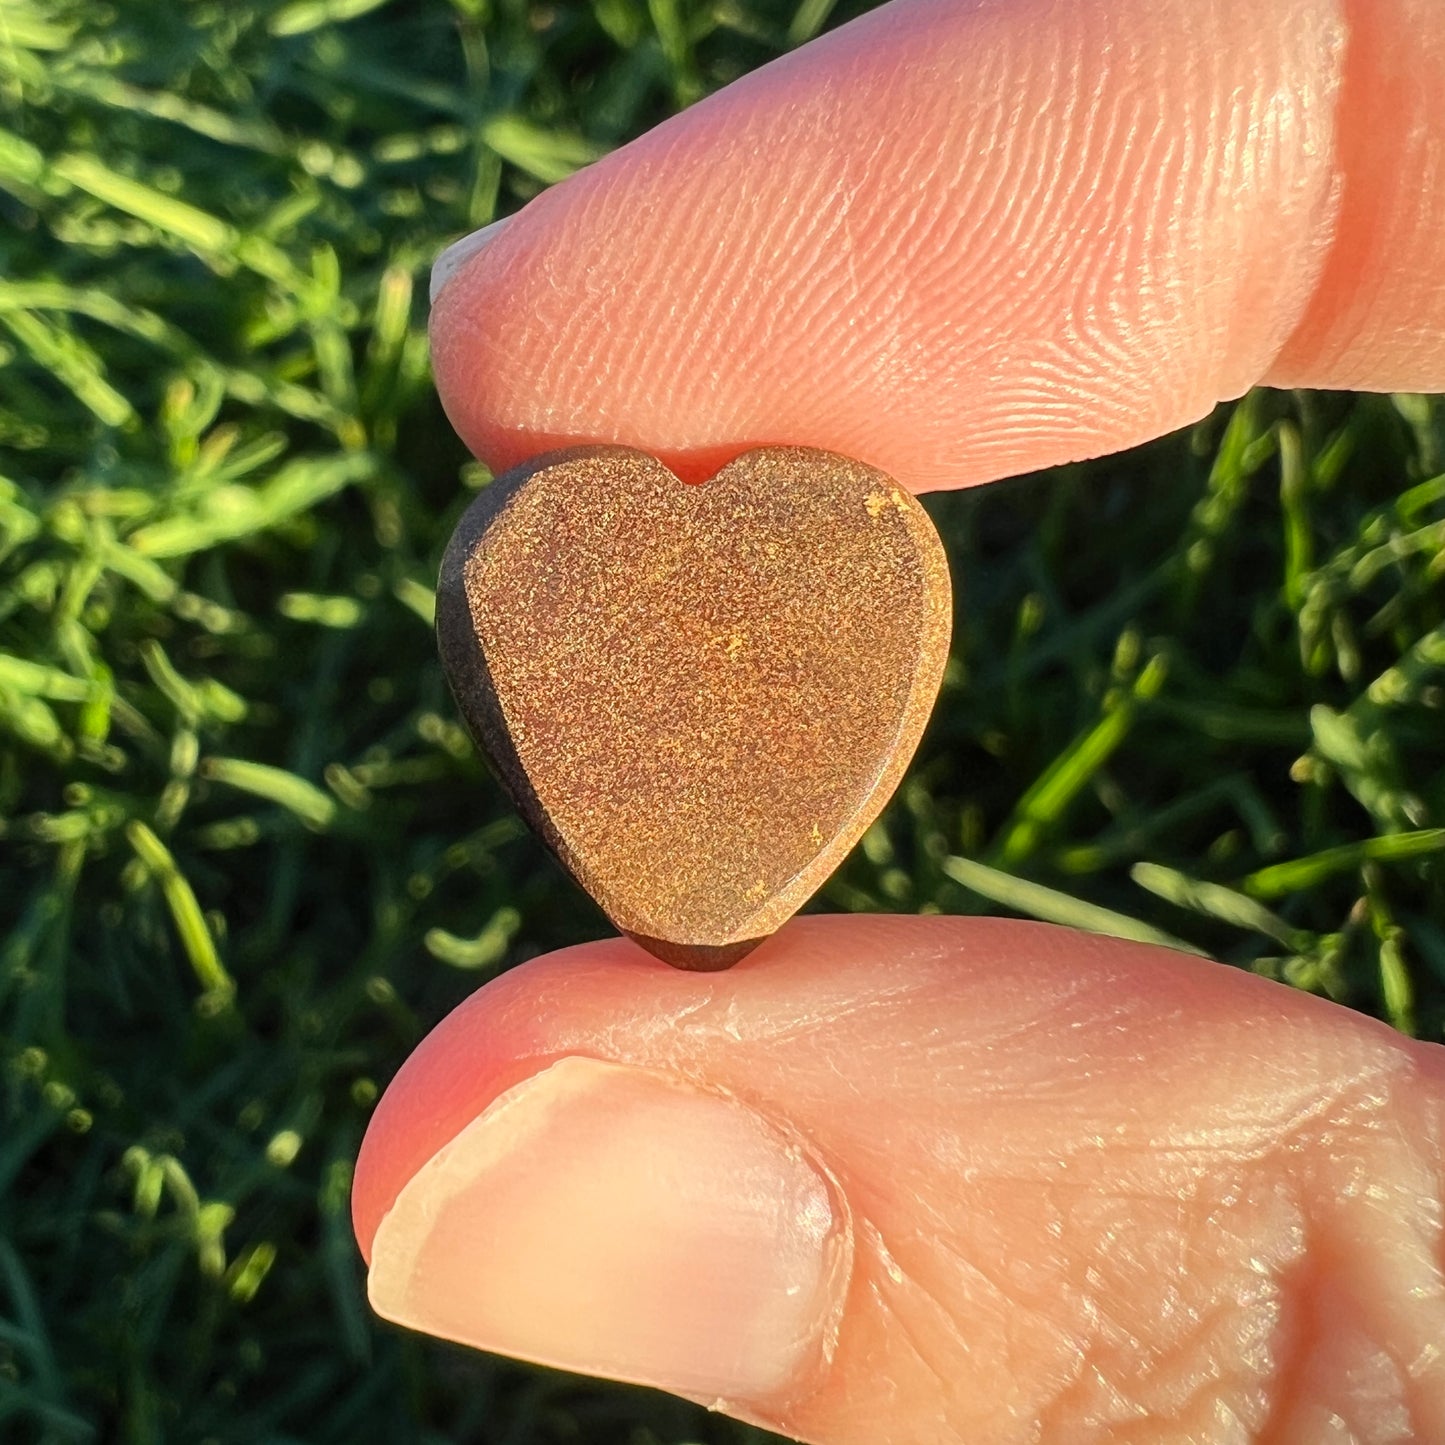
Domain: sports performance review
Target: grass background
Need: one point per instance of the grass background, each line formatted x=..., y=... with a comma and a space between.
x=248, y=856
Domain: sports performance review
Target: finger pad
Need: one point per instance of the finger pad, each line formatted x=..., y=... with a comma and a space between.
x=1377, y=320
x=894, y=997
x=955, y=241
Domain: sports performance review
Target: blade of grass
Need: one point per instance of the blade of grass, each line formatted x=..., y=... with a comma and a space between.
x=186, y=913
x=1216, y=901
x=1300, y=874
x=1051, y=906
x=485, y=950
x=1056, y=787
x=305, y=800
x=306, y=15
x=230, y=513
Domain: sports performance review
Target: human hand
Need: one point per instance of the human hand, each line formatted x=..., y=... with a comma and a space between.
x=856, y=1189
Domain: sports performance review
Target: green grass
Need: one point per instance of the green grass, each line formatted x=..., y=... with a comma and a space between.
x=248, y=856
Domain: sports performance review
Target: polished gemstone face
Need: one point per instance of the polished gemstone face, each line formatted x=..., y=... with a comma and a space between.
x=699, y=695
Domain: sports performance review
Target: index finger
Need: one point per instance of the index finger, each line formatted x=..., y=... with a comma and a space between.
x=964, y=240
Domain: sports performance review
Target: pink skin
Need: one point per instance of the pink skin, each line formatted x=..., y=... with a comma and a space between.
x=962, y=239
x=1091, y=1191
x=955, y=1180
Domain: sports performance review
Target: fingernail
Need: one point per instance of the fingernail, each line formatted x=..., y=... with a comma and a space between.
x=608, y=1220
x=449, y=262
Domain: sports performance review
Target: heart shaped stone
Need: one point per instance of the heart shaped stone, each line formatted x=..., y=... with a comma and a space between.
x=699, y=695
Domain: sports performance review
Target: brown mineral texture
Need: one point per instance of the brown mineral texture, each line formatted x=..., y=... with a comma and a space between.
x=699, y=695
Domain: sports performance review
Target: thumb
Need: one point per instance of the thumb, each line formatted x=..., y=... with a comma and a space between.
x=964, y=240
x=862, y=1189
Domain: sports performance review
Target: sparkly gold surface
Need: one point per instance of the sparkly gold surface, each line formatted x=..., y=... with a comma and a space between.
x=700, y=696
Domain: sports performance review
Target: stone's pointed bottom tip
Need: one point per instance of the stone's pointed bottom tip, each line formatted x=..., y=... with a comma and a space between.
x=696, y=957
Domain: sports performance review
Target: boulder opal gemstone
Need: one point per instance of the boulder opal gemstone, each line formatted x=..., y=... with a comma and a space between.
x=699, y=695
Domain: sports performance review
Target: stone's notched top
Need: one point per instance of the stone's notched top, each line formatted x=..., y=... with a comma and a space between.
x=699, y=696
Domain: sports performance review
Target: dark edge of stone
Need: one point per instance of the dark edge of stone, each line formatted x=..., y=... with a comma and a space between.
x=463, y=656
